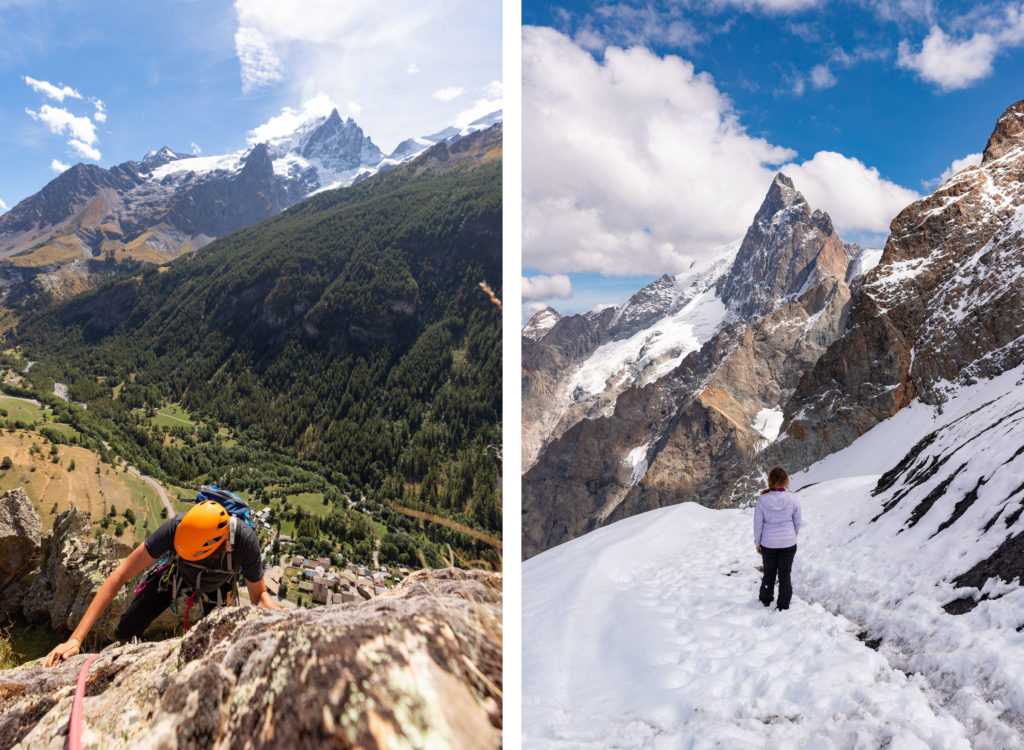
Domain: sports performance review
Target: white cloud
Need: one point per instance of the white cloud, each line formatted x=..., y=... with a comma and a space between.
x=3, y=207
x=260, y=64
x=626, y=25
x=58, y=166
x=638, y=164
x=84, y=149
x=821, y=77
x=58, y=92
x=449, y=93
x=491, y=102
x=542, y=286
x=856, y=196
x=81, y=130
x=289, y=119
x=971, y=160
x=772, y=6
x=101, y=110
x=958, y=63
x=362, y=50
x=354, y=108
x=948, y=63
x=196, y=149
x=632, y=165
x=62, y=122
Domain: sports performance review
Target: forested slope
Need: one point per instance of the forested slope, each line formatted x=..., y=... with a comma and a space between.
x=346, y=343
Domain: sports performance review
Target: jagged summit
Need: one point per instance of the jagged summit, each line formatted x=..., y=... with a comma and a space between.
x=541, y=322
x=1007, y=134
x=340, y=144
x=787, y=249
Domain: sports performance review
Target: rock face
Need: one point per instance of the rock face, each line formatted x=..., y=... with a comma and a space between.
x=420, y=668
x=688, y=433
x=20, y=532
x=50, y=579
x=942, y=308
x=786, y=250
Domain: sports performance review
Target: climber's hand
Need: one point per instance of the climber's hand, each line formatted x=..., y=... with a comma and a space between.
x=66, y=650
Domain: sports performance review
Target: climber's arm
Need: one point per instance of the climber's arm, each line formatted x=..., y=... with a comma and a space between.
x=130, y=567
x=259, y=595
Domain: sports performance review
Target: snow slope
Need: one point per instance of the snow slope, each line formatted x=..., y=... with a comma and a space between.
x=648, y=633
x=663, y=345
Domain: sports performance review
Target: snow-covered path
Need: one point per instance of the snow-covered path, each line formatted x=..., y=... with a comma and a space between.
x=648, y=633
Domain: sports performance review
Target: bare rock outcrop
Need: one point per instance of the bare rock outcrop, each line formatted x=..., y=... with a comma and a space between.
x=51, y=578
x=20, y=534
x=420, y=668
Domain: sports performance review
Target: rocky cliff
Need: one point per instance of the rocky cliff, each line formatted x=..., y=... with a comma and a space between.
x=419, y=668
x=688, y=431
x=50, y=578
x=942, y=308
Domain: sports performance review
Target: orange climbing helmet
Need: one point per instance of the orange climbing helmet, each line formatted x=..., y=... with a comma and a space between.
x=201, y=530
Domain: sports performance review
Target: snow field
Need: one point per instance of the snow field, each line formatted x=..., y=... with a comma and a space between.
x=648, y=633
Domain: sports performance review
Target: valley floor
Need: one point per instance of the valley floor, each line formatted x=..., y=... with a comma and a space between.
x=648, y=634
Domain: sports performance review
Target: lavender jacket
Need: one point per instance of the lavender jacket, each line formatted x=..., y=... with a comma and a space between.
x=776, y=519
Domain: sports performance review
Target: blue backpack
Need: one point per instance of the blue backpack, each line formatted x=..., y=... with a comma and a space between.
x=232, y=503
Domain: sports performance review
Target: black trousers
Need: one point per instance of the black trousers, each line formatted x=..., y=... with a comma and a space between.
x=778, y=561
x=147, y=606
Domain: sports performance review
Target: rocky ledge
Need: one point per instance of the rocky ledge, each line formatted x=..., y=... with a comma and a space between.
x=419, y=668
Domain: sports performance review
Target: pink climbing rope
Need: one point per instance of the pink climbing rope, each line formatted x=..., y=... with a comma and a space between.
x=188, y=606
x=75, y=728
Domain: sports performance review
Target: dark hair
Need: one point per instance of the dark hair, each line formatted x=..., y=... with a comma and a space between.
x=777, y=478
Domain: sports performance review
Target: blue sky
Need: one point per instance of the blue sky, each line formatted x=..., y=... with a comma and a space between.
x=864, y=103
x=105, y=82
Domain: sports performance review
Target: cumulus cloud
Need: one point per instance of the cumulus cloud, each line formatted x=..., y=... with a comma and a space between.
x=62, y=122
x=58, y=166
x=84, y=149
x=81, y=130
x=948, y=63
x=3, y=207
x=101, y=111
x=631, y=164
x=543, y=286
x=955, y=63
x=361, y=50
x=58, y=92
x=286, y=122
x=638, y=164
x=856, y=196
x=448, y=93
x=195, y=148
x=821, y=77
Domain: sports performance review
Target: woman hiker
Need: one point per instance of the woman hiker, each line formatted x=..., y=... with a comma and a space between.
x=776, y=525
x=204, y=562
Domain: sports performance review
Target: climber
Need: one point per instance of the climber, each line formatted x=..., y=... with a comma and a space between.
x=206, y=548
x=776, y=525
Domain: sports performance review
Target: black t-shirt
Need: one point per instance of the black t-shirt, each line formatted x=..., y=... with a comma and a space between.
x=245, y=554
